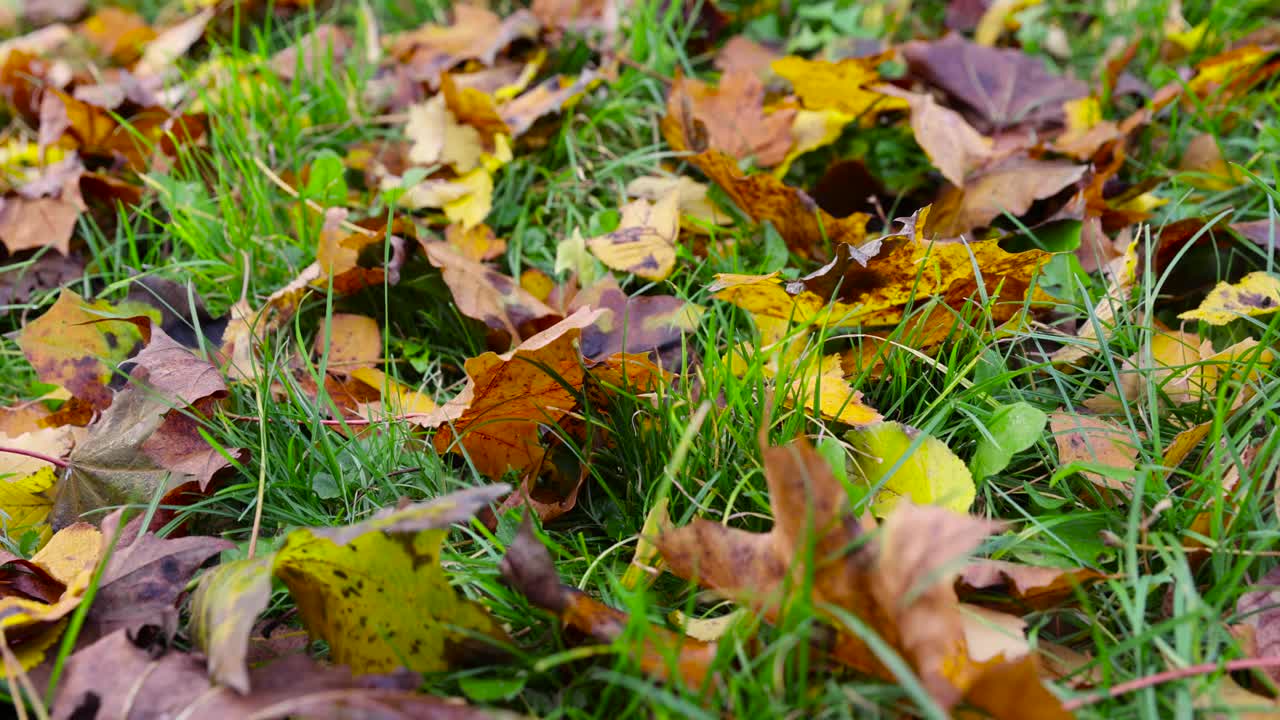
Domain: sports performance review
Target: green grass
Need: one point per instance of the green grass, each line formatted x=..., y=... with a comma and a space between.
x=215, y=214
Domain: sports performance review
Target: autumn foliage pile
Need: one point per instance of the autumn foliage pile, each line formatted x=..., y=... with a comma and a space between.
x=876, y=546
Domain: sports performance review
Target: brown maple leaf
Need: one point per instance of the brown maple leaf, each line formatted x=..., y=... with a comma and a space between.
x=734, y=116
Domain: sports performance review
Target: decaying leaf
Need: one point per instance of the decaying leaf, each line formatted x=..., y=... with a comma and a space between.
x=118, y=677
x=25, y=503
x=1004, y=583
x=901, y=463
x=528, y=567
x=879, y=291
x=78, y=346
x=1086, y=439
x=1259, y=608
x=734, y=116
x=1002, y=88
x=352, y=585
x=495, y=418
x=693, y=200
x=844, y=86
x=476, y=243
x=1008, y=187
x=898, y=581
x=644, y=243
x=951, y=143
x=352, y=342
x=475, y=34
x=486, y=294
x=653, y=324
x=1257, y=294
x=223, y=611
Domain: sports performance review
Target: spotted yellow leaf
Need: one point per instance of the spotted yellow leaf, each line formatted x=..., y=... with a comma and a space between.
x=644, y=243
x=898, y=461
x=1255, y=295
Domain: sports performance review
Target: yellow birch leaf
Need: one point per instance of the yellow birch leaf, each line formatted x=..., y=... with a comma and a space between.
x=928, y=475
x=1256, y=295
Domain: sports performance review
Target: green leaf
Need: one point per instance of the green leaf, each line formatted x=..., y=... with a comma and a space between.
x=327, y=181
x=223, y=610
x=1013, y=428
x=491, y=689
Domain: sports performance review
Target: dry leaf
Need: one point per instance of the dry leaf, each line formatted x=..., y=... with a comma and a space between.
x=652, y=324
x=1002, y=583
x=495, y=419
x=734, y=116
x=843, y=86
x=1257, y=294
x=475, y=34
x=1086, y=439
x=1008, y=187
x=644, y=243
x=951, y=143
x=693, y=200
x=528, y=567
x=486, y=294
x=351, y=341
x=477, y=243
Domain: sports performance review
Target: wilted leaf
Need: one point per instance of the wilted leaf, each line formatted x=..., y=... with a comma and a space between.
x=549, y=96
x=1003, y=88
x=172, y=43
x=353, y=584
x=224, y=608
x=843, y=86
x=77, y=345
x=692, y=195
x=805, y=227
x=951, y=143
x=25, y=503
x=477, y=243
x=998, y=582
x=733, y=115
x=1013, y=428
x=879, y=291
x=644, y=243
x=899, y=581
x=1259, y=608
x=528, y=567
x=1008, y=187
x=44, y=212
x=120, y=679
x=40, y=592
x=653, y=324
x=929, y=474
x=144, y=578
x=495, y=419
x=352, y=342
x=1257, y=294
x=486, y=294
x=1086, y=439
x=475, y=34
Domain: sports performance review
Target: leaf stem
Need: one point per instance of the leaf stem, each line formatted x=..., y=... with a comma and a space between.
x=1169, y=676
x=56, y=462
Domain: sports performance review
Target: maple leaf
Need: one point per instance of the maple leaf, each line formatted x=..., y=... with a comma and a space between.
x=665, y=655
x=350, y=584
x=733, y=115
x=495, y=419
x=44, y=212
x=951, y=143
x=1010, y=187
x=125, y=678
x=1003, y=88
x=898, y=581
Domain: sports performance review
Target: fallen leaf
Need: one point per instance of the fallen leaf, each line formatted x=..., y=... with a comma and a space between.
x=734, y=116
x=439, y=139
x=805, y=227
x=654, y=324
x=693, y=200
x=477, y=243
x=25, y=503
x=352, y=584
x=78, y=346
x=664, y=655
x=49, y=587
x=577, y=15
x=224, y=608
x=1257, y=294
x=549, y=96
x=742, y=54
x=172, y=43
x=1003, y=88
x=898, y=581
x=1259, y=608
x=644, y=243
x=487, y=295
x=1009, y=187
x=120, y=678
x=1002, y=583
x=929, y=474
x=495, y=419
x=1086, y=439
x=144, y=578
x=880, y=291
x=44, y=213
x=475, y=34
x=951, y=143
x=351, y=342
x=843, y=86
